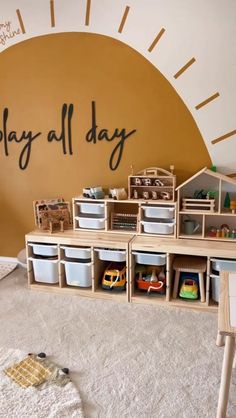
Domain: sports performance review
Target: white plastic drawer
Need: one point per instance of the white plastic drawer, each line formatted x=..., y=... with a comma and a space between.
x=154, y=259
x=78, y=274
x=111, y=255
x=43, y=249
x=223, y=264
x=161, y=212
x=163, y=228
x=92, y=208
x=45, y=270
x=77, y=252
x=90, y=223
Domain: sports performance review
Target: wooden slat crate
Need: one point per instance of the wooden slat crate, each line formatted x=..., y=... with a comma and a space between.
x=201, y=205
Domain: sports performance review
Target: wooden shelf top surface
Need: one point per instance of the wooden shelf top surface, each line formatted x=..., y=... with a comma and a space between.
x=161, y=202
x=71, y=237
x=185, y=246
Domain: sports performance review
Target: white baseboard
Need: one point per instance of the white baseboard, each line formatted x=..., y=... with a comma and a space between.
x=9, y=259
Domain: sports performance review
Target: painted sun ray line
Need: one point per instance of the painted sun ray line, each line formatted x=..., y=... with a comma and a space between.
x=20, y=21
x=157, y=38
x=208, y=100
x=123, y=20
x=185, y=67
x=223, y=137
x=52, y=12
x=88, y=8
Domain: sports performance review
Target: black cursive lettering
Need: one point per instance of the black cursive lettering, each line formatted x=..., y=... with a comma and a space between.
x=13, y=137
x=103, y=134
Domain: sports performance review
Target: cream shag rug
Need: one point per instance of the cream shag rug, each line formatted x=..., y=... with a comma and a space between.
x=47, y=402
x=127, y=360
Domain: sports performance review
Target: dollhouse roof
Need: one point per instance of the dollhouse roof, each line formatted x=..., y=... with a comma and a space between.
x=211, y=173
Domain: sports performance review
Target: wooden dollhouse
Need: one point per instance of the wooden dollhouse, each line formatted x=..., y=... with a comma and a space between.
x=206, y=204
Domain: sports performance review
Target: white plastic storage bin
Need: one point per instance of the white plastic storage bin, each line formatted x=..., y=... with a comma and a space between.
x=77, y=252
x=223, y=264
x=92, y=208
x=163, y=228
x=44, y=249
x=111, y=255
x=161, y=212
x=154, y=259
x=215, y=287
x=45, y=270
x=78, y=274
x=90, y=223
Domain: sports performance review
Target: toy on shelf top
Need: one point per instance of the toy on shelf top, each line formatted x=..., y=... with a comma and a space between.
x=52, y=214
x=152, y=183
x=93, y=192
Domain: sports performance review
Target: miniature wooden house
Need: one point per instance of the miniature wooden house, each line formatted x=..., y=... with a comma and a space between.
x=206, y=207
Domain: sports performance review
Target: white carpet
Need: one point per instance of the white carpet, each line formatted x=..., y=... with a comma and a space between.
x=127, y=361
x=51, y=401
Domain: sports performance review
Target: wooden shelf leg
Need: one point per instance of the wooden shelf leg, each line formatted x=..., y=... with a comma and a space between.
x=176, y=284
x=226, y=376
x=220, y=340
x=202, y=288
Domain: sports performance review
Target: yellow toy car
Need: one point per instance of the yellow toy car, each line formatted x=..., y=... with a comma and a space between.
x=114, y=277
x=189, y=289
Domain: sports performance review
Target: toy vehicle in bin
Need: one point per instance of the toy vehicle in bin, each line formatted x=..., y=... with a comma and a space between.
x=189, y=289
x=94, y=192
x=114, y=277
x=150, y=278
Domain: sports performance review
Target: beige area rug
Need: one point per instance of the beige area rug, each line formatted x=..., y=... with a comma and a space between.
x=6, y=268
x=127, y=360
x=46, y=402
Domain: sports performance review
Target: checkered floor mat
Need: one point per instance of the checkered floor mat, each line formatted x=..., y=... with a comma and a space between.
x=6, y=268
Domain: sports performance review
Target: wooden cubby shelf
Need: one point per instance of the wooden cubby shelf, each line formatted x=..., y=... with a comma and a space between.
x=100, y=249
x=138, y=250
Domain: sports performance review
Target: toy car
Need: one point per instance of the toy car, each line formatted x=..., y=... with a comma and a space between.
x=114, y=277
x=118, y=194
x=94, y=192
x=150, y=278
x=189, y=289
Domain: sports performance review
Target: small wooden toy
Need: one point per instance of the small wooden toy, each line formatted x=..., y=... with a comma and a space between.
x=233, y=206
x=118, y=194
x=52, y=214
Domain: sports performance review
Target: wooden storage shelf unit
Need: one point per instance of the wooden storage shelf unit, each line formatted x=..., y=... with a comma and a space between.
x=123, y=248
x=153, y=183
x=172, y=248
x=79, y=241
x=125, y=216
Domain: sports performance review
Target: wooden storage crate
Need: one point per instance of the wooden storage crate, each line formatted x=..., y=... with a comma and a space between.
x=200, y=205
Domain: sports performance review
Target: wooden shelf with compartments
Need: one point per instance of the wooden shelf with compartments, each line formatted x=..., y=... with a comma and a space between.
x=113, y=266
x=125, y=216
x=152, y=183
x=149, y=256
x=207, y=213
x=76, y=263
